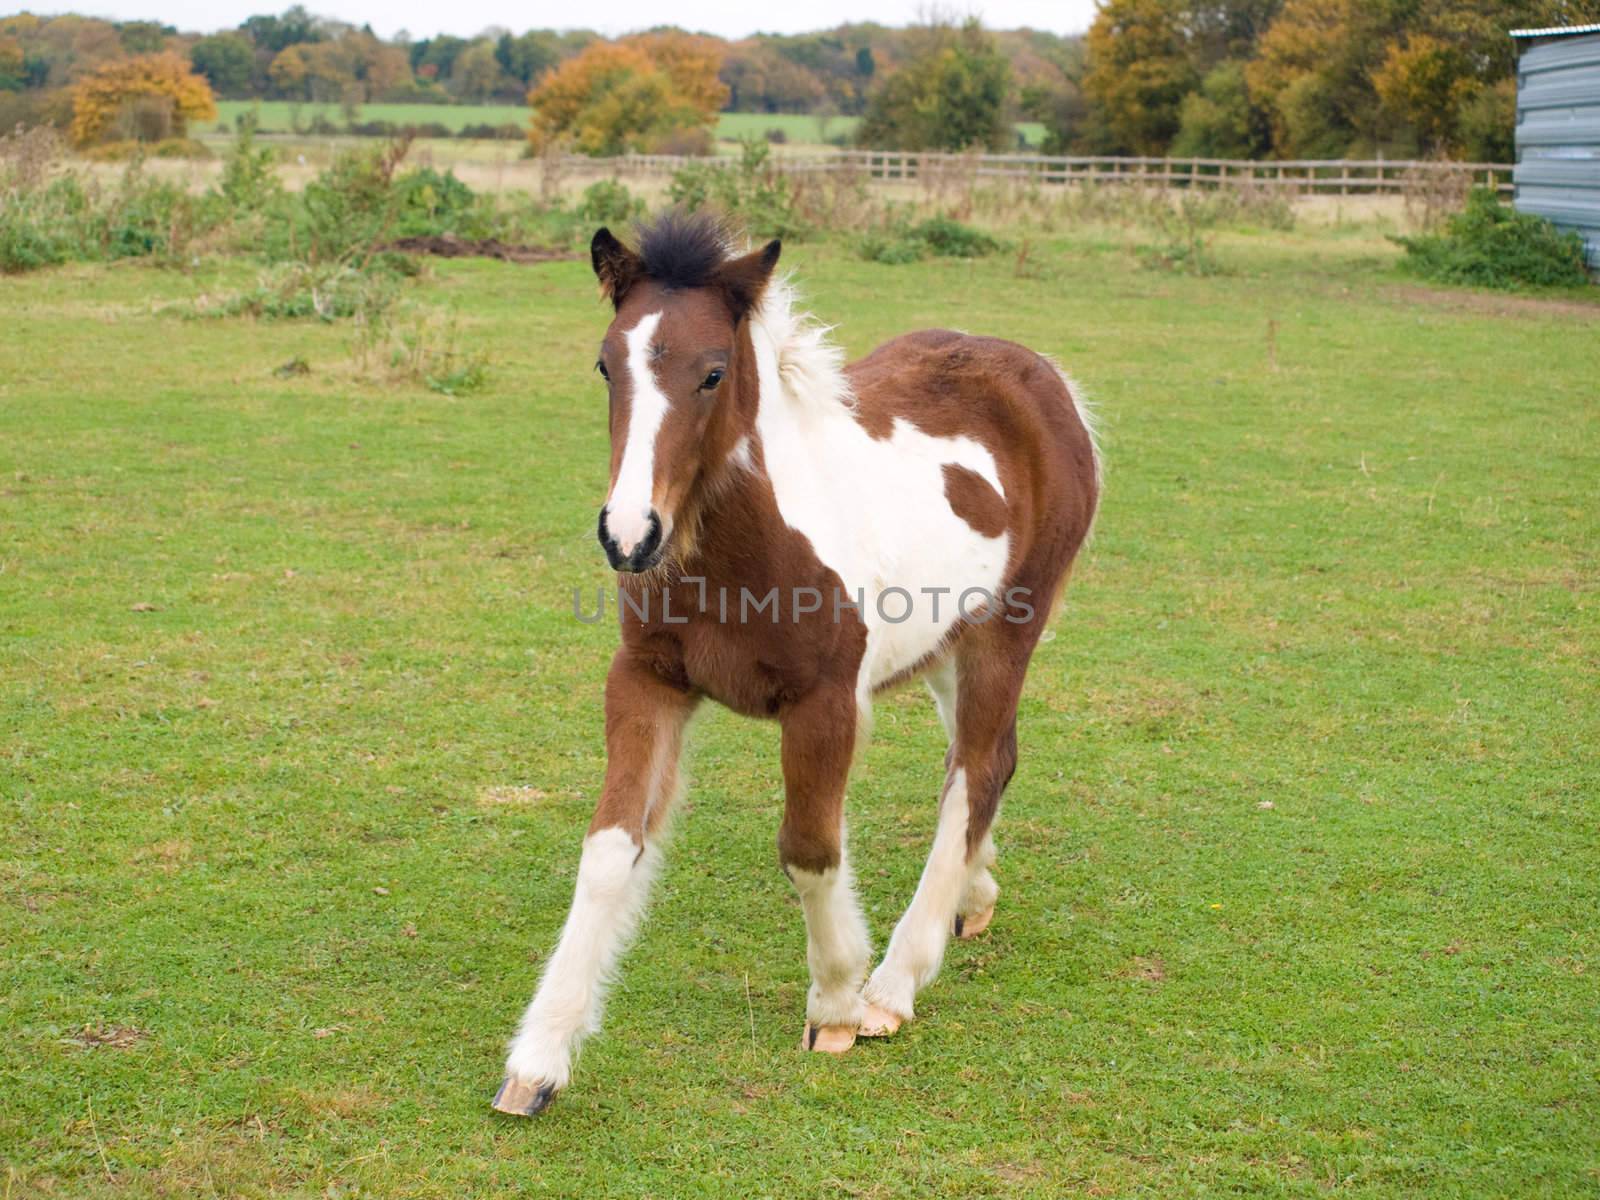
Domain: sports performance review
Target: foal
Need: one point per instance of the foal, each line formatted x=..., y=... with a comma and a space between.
x=793, y=536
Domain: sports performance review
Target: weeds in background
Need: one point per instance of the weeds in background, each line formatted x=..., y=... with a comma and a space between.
x=1492, y=245
x=51, y=215
x=752, y=191
x=901, y=241
x=425, y=348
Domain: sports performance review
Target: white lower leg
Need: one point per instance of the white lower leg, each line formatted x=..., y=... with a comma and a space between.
x=917, y=947
x=838, y=949
x=982, y=891
x=613, y=884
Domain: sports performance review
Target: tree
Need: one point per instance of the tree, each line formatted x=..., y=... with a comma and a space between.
x=952, y=95
x=1218, y=121
x=144, y=37
x=477, y=74
x=691, y=61
x=759, y=79
x=228, y=62
x=148, y=97
x=615, y=97
x=1139, y=70
x=276, y=34
x=1423, y=82
x=13, y=65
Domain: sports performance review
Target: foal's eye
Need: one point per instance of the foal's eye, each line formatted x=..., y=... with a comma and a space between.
x=604, y=374
x=711, y=380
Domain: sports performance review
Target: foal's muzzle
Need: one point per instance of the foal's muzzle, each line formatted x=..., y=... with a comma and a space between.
x=640, y=557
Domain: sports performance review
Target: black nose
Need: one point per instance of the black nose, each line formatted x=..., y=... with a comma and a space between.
x=643, y=556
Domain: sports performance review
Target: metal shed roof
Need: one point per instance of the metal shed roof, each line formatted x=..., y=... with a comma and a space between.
x=1557, y=175
x=1556, y=31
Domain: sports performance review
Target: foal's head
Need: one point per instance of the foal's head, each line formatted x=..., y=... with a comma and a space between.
x=682, y=392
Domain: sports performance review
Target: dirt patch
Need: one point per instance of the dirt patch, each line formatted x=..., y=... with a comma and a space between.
x=491, y=797
x=449, y=246
x=1491, y=304
x=117, y=1037
x=1150, y=970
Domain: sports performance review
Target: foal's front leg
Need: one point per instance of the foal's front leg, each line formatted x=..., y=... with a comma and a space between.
x=645, y=719
x=818, y=744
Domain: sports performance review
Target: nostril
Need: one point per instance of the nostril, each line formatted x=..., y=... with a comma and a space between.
x=607, y=542
x=651, y=540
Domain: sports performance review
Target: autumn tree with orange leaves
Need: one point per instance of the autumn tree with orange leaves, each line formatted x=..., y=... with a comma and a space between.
x=629, y=95
x=146, y=98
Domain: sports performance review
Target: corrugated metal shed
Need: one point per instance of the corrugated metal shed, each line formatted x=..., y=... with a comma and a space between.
x=1557, y=174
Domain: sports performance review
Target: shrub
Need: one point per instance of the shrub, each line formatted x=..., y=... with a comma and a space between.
x=1491, y=245
x=937, y=237
x=249, y=176
x=752, y=192
x=608, y=202
x=485, y=132
x=47, y=217
x=428, y=203
x=350, y=208
x=324, y=291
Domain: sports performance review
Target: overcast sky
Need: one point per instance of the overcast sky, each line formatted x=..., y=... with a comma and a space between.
x=730, y=18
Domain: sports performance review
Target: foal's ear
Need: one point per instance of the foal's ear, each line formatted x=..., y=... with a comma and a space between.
x=615, y=265
x=744, y=279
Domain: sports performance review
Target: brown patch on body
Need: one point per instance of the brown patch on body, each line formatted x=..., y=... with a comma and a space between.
x=974, y=500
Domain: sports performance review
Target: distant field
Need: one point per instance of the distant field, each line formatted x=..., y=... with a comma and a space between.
x=280, y=116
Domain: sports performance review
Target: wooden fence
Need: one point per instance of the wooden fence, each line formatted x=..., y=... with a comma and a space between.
x=1321, y=176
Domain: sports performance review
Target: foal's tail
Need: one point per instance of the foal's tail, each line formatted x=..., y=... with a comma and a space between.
x=1090, y=421
x=1087, y=417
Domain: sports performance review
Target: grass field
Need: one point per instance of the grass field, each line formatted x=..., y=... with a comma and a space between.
x=1298, y=868
x=278, y=116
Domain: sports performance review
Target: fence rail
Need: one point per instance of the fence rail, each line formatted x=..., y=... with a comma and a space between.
x=1324, y=176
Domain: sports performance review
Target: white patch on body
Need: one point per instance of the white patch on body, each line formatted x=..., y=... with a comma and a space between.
x=838, y=949
x=740, y=456
x=874, y=510
x=917, y=947
x=631, y=502
x=942, y=683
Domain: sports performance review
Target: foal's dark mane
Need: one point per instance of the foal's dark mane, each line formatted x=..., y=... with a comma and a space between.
x=683, y=250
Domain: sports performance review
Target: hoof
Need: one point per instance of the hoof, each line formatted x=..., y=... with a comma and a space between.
x=523, y=1099
x=829, y=1039
x=879, y=1022
x=972, y=926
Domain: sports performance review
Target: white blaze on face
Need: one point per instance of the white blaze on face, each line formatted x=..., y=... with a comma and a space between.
x=629, y=506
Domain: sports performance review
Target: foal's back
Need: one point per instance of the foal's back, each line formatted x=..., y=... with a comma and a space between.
x=1020, y=407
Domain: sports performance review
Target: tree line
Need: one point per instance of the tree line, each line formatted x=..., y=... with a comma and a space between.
x=1218, y=78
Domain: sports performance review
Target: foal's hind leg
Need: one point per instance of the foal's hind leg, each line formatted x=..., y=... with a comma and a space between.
x=956, y=878
x=976, y=908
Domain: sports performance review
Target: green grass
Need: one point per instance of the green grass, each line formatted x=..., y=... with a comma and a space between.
x=277, y=116
x=799, y=128
x=1298, y=868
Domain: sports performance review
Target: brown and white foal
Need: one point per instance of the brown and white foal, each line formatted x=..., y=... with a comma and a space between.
x=798, y=535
